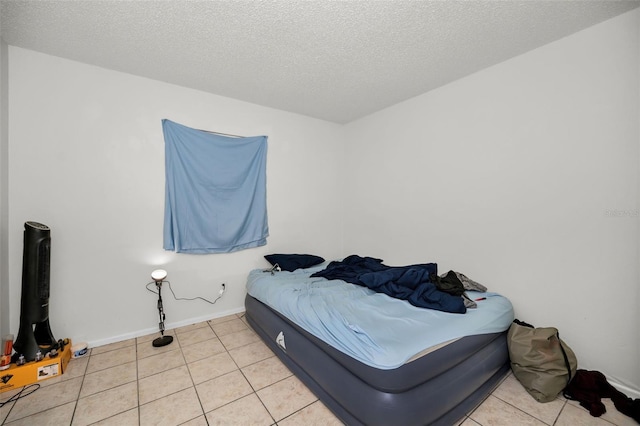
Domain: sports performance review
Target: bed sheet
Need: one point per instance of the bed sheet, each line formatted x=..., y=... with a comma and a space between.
x=375, y=329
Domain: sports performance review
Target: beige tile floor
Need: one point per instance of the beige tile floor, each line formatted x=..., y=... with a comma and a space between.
x=220, y=373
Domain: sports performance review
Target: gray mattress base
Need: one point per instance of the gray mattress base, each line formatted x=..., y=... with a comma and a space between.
x=361, y=395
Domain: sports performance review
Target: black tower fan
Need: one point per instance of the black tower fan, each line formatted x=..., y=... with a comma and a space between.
x=35, y=334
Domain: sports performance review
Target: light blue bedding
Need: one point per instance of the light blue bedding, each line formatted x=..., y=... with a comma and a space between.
x=371, y=327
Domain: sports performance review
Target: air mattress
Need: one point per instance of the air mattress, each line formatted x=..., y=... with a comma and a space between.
x=436, y=388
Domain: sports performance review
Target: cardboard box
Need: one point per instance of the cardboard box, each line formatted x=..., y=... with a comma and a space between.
x=16, y=377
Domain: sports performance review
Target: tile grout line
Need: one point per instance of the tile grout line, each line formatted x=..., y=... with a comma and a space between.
x=13, y=404
x=521, y=410
x=275, y=422
x=138, y=385
x=254, y=392
x=193, y=384
x=141, y=350
x=114, y=387
x=84, y=375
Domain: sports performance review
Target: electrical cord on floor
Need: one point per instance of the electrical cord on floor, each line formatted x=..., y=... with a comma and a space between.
x=185, y=298
x=21, y=394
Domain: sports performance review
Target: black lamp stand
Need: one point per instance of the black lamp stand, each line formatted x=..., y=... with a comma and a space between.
x=163, y=340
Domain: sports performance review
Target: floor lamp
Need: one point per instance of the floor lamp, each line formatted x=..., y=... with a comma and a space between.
x=158, y=276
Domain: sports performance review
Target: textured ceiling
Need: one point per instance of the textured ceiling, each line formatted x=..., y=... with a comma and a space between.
x=334, y=60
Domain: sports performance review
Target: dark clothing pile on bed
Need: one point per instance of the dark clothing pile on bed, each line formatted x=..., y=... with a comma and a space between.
x=413, y=283
x=589, y=387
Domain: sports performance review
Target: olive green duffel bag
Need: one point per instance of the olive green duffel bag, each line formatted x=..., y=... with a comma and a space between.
x=540, y=360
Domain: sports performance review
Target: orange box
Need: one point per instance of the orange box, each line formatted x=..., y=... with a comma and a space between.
x=16, y=377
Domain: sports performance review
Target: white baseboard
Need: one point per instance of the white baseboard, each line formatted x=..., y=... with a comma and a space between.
x=630, y=392
x=169, y=326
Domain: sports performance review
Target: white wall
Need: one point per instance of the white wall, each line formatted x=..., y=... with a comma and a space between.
x=4, y=197
x=524, y=177
x=638, y=193
x=87, y=159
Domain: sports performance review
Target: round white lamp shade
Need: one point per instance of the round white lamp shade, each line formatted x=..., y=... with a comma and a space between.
x=159, y=275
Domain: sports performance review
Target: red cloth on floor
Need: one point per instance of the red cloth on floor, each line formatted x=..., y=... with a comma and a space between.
x=589, y=387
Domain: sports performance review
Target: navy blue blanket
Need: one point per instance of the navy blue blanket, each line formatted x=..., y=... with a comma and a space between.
x=411, y=283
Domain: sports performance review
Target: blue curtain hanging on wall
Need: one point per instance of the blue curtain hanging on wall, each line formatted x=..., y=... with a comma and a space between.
x=216, y=191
